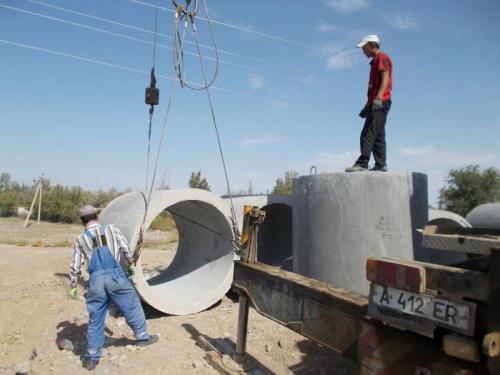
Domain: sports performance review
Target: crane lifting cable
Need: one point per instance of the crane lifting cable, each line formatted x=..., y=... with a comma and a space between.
x=185, y=15
x=152, y=96
x=188, y=15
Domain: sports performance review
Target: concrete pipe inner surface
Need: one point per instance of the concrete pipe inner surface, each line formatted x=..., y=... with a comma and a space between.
x=202, y=269
x=275, y=236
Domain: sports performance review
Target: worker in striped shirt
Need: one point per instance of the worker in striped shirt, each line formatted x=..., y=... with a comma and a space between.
x=102, y=247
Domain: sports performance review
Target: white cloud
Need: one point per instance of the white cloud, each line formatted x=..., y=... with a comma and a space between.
x=330, y=161
x=255, y=81
x=436, y=163
x=264, y=139
x=427, y=159
x=400, y=20
x=339, y=58
x=250, y=176
x=325, y=27
x=347, y=6
x=307, y=78
x=430, y=156
x=279, y=104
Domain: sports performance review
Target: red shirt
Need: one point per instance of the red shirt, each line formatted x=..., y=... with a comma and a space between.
x=381, y=62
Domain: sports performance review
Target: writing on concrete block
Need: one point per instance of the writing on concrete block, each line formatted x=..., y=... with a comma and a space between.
x=389, y=230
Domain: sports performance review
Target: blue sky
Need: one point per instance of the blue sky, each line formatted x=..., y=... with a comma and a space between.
x=281, y=104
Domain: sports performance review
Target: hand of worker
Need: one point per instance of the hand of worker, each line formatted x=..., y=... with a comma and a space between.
x=377, y=104
x=73, y=293
x=131, y=271
x=364, y=112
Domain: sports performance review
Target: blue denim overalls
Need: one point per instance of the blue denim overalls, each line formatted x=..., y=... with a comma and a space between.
x=109, y=282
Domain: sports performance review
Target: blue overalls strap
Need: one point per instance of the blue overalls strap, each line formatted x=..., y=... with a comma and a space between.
x=101, y=257
x=90, y=235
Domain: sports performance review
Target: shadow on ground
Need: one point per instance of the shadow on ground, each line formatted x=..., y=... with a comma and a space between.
x=151, y=313
x=227, y=346
x=318, y=359
x=77, y=334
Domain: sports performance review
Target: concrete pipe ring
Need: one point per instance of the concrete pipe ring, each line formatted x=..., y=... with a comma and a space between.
x=202, y=269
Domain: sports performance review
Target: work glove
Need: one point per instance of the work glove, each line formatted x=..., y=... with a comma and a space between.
x=377, y=105
x=73, y=293
x=364, y=112
x=131, y=271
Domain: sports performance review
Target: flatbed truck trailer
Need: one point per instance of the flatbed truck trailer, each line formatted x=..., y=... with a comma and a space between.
x=419, y=318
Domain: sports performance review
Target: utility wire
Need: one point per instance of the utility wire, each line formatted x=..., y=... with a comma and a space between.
x=119, y=35
x=122, y=67
x=152, y=32
x=236, y=27
x=155, y=34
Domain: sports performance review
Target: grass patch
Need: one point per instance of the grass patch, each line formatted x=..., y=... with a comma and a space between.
x=17, y=242
x=38, y=243
x=63, y=243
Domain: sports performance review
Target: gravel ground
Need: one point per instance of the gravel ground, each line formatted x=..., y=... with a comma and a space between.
x=35, y=311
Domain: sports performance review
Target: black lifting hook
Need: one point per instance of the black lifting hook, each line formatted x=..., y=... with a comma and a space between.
x=152, y=92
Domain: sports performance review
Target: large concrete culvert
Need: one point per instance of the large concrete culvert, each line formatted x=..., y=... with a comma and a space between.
x=275, y=233
x=485, y=216
x=202, y=269
x=341, y=219
x=446, y=219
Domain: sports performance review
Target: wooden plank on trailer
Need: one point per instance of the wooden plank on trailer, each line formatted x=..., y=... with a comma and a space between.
x=460, y=244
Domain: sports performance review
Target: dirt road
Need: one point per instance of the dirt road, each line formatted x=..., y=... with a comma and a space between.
x=35, y=310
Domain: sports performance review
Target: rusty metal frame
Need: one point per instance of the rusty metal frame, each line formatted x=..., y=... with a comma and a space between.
x=494, y=305
x=312, y=308
x=337, y=319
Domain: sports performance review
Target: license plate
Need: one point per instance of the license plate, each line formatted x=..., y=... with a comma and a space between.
x=458, y=316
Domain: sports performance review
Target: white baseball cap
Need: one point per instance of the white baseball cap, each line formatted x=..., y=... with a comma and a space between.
x=369, y=38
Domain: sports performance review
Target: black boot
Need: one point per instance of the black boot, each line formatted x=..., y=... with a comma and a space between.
x=152, y=339
x=90, y=363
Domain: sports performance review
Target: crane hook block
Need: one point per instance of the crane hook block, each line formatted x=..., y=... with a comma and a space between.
x=152, y=92
x=152, y=96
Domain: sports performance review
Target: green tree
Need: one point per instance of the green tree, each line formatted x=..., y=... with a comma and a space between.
x=469, y=187
x=8, y=203
x=59, y=203
x=5, y=182
x=283, y=184
x=197, y=182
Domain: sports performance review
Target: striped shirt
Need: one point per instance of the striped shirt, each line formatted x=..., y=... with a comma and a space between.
x=82, y=248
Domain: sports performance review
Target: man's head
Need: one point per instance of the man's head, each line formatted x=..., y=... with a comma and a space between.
x=88, y=213
x=370, y=45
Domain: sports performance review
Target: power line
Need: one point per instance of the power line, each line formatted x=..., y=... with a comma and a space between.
x=128, y=26
x=236, y=27
x=119, y=35
x=122, y=67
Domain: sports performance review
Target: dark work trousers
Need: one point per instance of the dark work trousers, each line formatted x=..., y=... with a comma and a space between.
x=373, y=137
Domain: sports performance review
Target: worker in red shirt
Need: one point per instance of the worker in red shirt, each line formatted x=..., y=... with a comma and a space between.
x=377, y=107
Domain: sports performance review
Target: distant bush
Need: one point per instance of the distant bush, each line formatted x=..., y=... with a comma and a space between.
x=59, y=203
x=8, y=203
x=164, y=222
